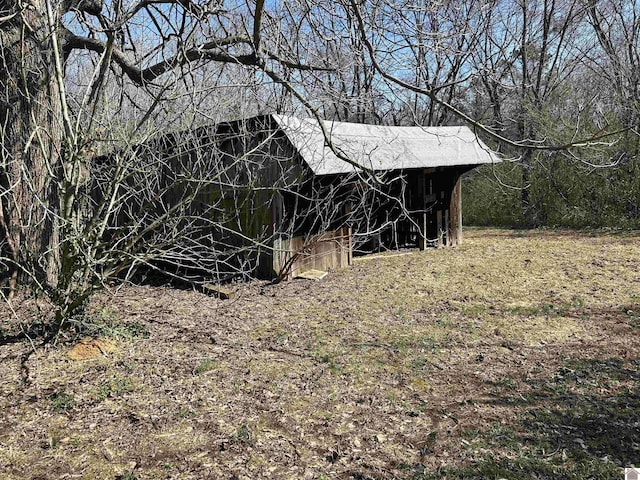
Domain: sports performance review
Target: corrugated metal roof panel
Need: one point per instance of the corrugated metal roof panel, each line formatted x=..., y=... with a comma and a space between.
x=383, y=148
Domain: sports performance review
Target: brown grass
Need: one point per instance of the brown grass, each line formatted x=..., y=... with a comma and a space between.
x=398, y=367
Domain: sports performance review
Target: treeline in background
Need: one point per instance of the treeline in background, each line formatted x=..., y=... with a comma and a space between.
x=562, y=194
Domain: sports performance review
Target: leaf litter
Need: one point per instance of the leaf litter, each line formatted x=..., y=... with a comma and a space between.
x=496, y=357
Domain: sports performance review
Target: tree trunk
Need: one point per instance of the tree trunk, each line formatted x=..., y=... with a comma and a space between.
x=31, y=139
x=525, y=196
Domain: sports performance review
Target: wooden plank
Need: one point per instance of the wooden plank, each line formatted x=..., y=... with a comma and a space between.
x=218, y=291
x=422, y=221
x=447, y=228
x=312, y=274
x=366, y=258
x=458, y=207
x=280, y=247
x=439, y=227
x=455, y=217
x=320, y=252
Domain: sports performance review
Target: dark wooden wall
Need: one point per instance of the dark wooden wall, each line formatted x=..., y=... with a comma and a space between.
x=432, y=213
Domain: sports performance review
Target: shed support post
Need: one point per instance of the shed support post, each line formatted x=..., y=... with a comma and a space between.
x=439, y=228
x=422, y=219
x=455, y=209
x=447, y=228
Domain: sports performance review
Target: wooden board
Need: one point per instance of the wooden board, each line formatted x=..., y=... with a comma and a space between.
x=312, y=274
x=365, y=258
x=218, y=291
x=456, y=214
x=322, y=252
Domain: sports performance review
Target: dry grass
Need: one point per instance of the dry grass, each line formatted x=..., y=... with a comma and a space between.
x=514, y=353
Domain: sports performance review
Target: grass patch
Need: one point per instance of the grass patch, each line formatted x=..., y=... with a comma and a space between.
x=330, y=360
x=594, y=410
x=104, y=322
x=243, y=435
x=127, y=476
x=564, y=432
x=632, y=312
x=61, y=401
x=115, y=387
x=524, y=467
x=206, y=365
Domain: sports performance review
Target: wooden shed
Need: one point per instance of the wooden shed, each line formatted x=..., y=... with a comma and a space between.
x=282, y=199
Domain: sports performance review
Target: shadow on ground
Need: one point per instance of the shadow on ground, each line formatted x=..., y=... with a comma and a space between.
x=581, y=422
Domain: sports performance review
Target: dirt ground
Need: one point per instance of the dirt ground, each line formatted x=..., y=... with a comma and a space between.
x=514, y=355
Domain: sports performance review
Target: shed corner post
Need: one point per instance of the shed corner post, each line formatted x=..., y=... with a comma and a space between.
x=279, y=244
x=350, y=247
x=439, y=228
x=455, y=209
x=422, y=219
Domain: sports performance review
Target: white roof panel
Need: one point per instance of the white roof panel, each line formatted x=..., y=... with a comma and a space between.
x=383, y=148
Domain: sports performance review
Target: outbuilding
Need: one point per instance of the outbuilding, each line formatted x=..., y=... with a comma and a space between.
x=287, y=194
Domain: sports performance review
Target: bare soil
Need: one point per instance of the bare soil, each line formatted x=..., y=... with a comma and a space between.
x=514, y=355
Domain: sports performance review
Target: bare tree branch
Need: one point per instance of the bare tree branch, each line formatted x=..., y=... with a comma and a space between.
x=385, y=73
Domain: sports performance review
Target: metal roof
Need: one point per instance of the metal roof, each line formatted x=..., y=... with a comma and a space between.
x=383, y=148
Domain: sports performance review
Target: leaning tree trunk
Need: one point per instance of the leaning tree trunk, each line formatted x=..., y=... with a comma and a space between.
x=31, y=139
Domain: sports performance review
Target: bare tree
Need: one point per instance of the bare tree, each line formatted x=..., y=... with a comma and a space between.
x=530, y=58
x=83, y=77
x=47, y=147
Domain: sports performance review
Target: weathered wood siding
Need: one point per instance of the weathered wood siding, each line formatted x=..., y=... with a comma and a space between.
x=328, y=250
